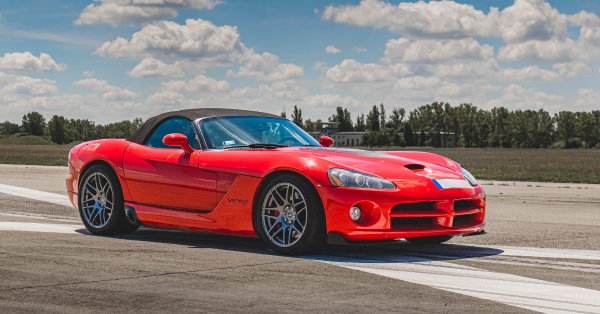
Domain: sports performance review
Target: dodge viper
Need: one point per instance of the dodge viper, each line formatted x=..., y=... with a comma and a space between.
x=255, y=174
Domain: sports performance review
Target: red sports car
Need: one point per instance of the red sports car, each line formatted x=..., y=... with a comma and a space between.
x=255, y=174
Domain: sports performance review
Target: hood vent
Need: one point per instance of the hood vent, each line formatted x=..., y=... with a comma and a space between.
x=414, y=167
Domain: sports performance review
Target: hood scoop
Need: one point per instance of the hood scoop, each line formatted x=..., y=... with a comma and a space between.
x=414, y=167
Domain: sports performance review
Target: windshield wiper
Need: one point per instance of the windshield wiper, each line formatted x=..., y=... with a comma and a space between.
x=257, y=145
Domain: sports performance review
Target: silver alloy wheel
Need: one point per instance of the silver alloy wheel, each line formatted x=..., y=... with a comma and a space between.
x=97, y=200
x=284, y=215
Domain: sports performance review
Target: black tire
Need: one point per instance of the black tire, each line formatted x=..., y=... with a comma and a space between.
x=314, y=235
x=430, y=240
x=117, y=223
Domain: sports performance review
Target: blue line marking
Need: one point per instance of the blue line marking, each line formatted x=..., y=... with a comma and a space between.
x=439, y=186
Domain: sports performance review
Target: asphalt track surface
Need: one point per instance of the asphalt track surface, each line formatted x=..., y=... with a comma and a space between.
x=541, y=253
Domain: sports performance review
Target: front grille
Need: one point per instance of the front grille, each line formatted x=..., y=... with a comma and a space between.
x=462, y=205
x=409, y=207
x=464, y=221
x=421, y=216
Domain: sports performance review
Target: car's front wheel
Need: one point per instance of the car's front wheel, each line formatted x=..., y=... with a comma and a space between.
x=101, y=202
x=289, y=216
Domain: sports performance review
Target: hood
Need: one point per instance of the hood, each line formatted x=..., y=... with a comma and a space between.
x=394, y=166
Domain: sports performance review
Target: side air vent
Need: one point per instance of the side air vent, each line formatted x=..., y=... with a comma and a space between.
x=414, y=167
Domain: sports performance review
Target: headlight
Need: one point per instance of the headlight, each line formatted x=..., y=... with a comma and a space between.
x=353, y=179
x=469, y=177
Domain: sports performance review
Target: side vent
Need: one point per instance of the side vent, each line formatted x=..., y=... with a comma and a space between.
x=414, y=167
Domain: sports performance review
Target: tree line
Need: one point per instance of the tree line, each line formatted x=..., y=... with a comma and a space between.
x=61, y=130
x=433, y=124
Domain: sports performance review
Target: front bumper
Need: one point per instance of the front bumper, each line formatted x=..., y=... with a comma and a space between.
x=417, y=210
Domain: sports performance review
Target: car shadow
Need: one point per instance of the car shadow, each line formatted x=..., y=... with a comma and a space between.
x=398, y=251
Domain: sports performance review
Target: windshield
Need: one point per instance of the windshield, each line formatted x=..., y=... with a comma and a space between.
x=223, y=132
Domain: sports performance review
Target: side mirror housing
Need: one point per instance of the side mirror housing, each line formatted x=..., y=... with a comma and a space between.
x=178, y=139
x=326, y=141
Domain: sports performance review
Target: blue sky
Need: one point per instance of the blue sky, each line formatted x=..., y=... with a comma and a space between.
x=118, y=59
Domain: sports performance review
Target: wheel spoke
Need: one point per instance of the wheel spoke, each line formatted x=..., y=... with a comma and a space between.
x=288, y=194
x=93, y=214
x=271, y=229
x=276, y=193
x=290, y=231
x=299, y=224
x=271, y=216
x=278, y=230
x=103, y=188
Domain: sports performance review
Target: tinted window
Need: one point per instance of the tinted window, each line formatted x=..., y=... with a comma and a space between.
x=234, y=131
x=173, y=125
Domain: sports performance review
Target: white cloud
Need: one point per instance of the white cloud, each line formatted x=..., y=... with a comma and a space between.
x=407, y=50
x=531, y=20
x=118, y=12
x=587, y=98
x=200, y=83
x=571, y=69
x=266, y=66
x=530, y=29
x=417, y=83
x=106, y=91
x=476, y=69
x=172, y=49
x=330, y=101
x=516, y=96
x=359, y=49
x=559, y=71
x=553, y=49
x=151, y=66
x=521, y=21
x=332, y=50
x=26, y=61
x=196, y=39
x=25, y=85
x=436, y=18
x=89, y=73
x=590, y=27
x=531, y=73
x=351, y=71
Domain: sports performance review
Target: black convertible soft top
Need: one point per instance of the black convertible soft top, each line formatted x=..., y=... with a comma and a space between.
x=192, y=114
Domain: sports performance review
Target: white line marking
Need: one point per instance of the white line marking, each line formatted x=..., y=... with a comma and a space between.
x=523, y=292
x=476, y=250
x=39, y=227
x=39, y=216
x=546, y=252
x=53, y=198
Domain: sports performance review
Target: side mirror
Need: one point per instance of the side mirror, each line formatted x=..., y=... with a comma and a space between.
x=326, y=141
x=178, y=139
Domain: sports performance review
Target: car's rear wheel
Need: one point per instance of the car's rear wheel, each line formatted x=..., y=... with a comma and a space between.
x=101, y=205
x=289, y=216
x=430, y=240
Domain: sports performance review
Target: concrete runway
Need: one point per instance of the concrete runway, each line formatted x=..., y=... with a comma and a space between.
x=541, y=253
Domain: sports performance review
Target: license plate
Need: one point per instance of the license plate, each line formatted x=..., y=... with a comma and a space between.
x=444, y=184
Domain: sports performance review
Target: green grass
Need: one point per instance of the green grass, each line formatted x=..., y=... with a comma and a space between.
x=24, y=139
x=48, y=155
x=545, y=165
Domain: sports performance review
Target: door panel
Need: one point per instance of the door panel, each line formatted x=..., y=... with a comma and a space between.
x=168, y=178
